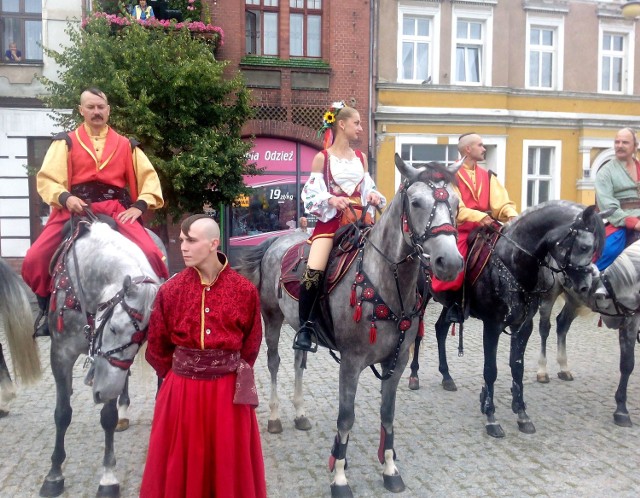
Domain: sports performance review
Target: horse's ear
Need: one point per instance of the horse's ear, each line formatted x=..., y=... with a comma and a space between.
x=607, y=213
x=126, y=284
x=453, y=168
x=409, y=172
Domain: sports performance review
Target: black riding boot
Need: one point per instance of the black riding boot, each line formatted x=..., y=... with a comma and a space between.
x=309, y=290
x=455, y=312
x=41, y=327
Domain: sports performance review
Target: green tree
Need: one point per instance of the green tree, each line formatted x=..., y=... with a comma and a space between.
x=167, y=90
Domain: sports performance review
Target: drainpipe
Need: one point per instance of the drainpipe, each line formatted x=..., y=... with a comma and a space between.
x=373, y=76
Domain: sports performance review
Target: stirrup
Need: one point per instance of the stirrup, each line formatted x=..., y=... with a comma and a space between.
x=308, y=328
x=41, y=327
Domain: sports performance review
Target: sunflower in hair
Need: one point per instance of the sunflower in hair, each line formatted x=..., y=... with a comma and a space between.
x=329, y=118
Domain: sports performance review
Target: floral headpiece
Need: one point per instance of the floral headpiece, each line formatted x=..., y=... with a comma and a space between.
x=328, y=118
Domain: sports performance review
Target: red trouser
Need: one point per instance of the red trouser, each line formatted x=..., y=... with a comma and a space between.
x=35, y=268
x=463, y=247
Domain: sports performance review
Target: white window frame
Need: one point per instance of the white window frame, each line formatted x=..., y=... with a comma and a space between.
x=433, y=13
x=485, y=17
x=628, y=33
x=557, y=51
x=555, y=173
x=496, y=160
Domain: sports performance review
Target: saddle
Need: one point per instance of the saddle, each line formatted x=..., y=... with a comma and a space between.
x=482, y=243
x=347, y=244
x=69, y=229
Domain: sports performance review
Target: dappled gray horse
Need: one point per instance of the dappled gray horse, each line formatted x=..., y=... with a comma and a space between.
x=418, y=222
x=17, y=319
x=615, y=294
x=104, y=288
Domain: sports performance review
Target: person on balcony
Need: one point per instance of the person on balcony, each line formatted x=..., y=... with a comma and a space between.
x=142, y=11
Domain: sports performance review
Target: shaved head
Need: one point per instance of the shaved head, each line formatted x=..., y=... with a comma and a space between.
x=203, y=224
x=92, y=91
x=467, y=140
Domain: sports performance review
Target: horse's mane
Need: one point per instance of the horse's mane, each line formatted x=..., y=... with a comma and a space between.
x=435, y=171
x=625, y=268
x=116, y=247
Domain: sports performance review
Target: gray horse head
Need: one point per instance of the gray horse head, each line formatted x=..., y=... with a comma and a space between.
x=429, y=208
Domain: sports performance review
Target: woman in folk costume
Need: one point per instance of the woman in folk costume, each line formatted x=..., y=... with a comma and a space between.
x=339, y=179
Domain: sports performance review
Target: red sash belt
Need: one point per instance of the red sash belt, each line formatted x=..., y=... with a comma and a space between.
x=211, y=364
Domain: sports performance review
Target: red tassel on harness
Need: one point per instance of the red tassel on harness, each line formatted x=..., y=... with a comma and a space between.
x=421, y=328
x=60, y=322
x=352, y=299
x=357, y=314
x=373, y=333
x=600, y=322
x=453, y=330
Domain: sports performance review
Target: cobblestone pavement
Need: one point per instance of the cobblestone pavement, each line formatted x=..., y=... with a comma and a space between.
x=440, y=440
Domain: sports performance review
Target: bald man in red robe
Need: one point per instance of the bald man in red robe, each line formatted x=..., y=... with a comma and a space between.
x=204, y=337
x=482, y=199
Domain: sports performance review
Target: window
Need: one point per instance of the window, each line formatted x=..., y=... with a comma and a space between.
x=545, y=44
x=417, y=51
x=471, y=47
x=541, y=181
x=305, y=28
x=261, y=27
x=21, y=23
x=415, y=154
x=615, y=63
x=416, y=149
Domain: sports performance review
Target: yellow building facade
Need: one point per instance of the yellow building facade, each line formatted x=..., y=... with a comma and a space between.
x=546, y=85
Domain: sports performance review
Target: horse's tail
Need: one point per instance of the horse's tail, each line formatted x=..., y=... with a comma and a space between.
x=18, y=325
x=250, y=260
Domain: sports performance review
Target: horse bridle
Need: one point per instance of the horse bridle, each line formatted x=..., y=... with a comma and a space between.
x=94, y=335
x=566, y=264
x=441, y=196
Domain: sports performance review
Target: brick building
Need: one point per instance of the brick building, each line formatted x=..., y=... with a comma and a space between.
x=297, y=56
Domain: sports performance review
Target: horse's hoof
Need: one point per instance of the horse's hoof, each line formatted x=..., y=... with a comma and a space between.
x=3, y=413
x=341, y=491
x=526, y=426
x=565, y=375
x=123, y=425
x=543, y=378
x=274, y=426
x=449, y=385
x=52, y=488
x=394, y=483
x=302, y=423
x=622, y=419
x=110, y=491
x=414, y=383
x=495, y=430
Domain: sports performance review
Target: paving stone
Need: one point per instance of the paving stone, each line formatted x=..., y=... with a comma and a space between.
x=442, y=447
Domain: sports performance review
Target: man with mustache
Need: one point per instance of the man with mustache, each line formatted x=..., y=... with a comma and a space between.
x=92, y=165
x=618, y=188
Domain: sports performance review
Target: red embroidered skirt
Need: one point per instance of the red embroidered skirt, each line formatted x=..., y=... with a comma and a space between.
x=202, y=444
